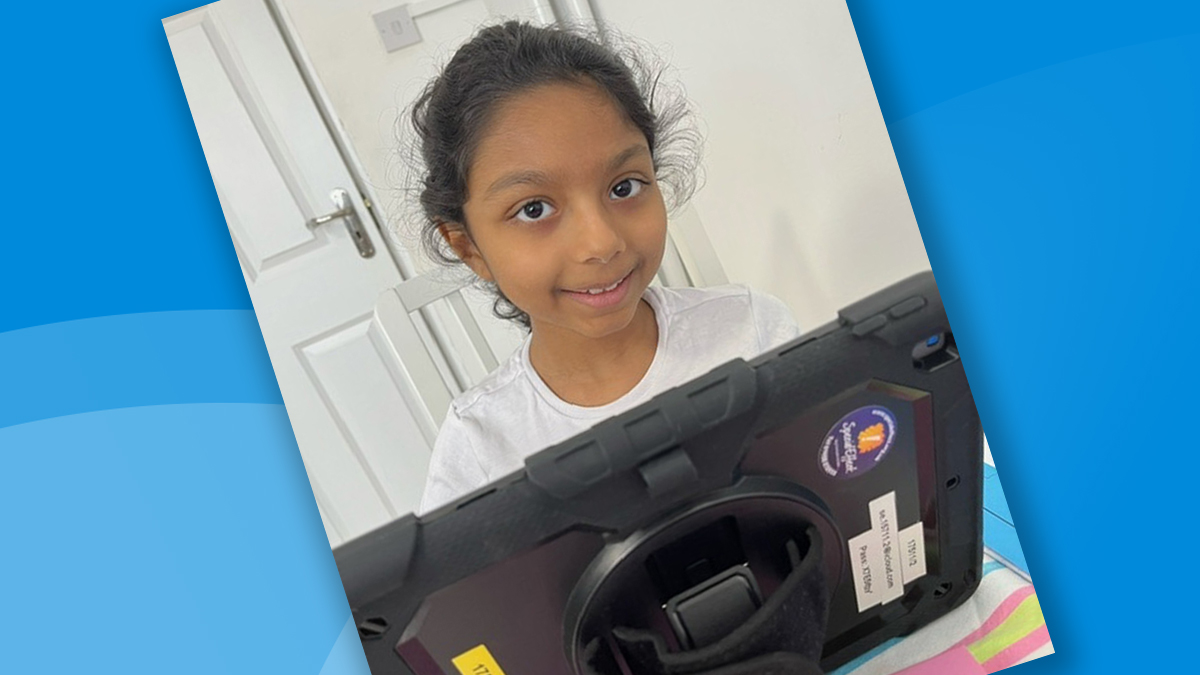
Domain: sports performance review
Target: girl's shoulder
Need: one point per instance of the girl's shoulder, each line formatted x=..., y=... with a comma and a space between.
x=733, y=306
x=500, y=383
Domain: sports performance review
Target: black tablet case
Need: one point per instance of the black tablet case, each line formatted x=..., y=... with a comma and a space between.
x=498, y=566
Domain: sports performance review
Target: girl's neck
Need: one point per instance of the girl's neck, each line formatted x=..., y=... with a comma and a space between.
x=595, y=371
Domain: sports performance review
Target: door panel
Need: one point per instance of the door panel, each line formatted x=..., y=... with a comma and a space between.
x=369, y=408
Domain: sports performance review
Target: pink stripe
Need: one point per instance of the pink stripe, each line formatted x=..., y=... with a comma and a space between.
x=955, y=660
x=1010, y=603
x=959, y=660
x=1018, y=650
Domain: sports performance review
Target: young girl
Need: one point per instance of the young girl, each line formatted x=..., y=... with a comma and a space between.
x=546, y=169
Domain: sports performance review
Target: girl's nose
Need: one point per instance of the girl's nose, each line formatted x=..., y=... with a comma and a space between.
x=597, y=240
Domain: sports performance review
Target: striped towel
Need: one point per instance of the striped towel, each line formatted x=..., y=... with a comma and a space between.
x=999, y=626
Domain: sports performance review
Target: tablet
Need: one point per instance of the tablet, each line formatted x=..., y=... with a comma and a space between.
x=856, y=447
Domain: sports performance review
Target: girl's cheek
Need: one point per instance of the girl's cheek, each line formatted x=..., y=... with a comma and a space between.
x=533, y=267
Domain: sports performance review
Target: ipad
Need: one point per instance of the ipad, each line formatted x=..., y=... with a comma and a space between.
x=853, y=454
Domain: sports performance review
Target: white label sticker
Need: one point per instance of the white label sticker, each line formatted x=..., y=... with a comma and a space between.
x=912, y=551
x=885, y=557
x=883, y=522
x=866, y=560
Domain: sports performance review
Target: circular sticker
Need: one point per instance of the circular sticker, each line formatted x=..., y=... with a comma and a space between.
x=858, y=442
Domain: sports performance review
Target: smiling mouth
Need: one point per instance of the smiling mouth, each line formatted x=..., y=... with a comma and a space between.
x=597, y=290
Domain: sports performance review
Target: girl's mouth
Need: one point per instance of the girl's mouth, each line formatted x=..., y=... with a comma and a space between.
x=603, y=296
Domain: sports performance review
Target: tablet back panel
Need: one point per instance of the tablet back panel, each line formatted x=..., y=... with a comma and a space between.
x=871, y=416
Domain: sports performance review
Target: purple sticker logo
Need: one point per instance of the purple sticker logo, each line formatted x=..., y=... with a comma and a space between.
x=858, y=442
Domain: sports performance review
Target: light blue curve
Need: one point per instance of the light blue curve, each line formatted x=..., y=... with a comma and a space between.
x=346, y=657
x=167, y=539
x=198, y=356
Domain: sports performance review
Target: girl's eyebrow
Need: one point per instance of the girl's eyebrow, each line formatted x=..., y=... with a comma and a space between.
x=528, y=177
x=531, y=177
x=628, y=154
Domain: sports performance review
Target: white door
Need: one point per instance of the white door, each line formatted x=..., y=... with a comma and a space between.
x=364, y=423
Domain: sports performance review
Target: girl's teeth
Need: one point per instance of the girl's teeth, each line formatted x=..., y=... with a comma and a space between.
x=598, y=291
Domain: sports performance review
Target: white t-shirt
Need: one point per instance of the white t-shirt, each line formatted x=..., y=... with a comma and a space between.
x=491, y=429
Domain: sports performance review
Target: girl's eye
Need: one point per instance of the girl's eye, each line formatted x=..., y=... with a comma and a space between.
x=534, y=211
x=630, y=187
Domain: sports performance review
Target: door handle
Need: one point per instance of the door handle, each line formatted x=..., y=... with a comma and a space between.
x=354, y=226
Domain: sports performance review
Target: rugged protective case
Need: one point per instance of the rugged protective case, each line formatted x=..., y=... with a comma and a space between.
x=503, y=566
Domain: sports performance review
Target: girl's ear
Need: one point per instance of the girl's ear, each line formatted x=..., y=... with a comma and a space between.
x=460, y=242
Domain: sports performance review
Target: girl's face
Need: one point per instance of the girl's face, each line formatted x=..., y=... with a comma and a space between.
x=563, y=210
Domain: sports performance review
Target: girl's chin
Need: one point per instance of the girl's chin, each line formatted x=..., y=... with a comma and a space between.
x=596, y=325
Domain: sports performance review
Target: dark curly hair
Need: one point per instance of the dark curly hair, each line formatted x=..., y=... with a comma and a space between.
x=503, y=60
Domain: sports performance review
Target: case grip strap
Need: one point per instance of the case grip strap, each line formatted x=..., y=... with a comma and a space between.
x=786, y=634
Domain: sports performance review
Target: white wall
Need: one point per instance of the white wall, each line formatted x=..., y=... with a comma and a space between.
x=803, y=197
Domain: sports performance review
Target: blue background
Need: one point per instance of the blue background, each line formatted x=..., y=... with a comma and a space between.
x=157, y=515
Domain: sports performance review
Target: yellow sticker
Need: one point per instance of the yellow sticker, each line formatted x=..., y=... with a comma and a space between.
x=477, y=661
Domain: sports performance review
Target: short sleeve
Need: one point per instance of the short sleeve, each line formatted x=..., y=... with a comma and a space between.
x=454, y=469
x=773, y=320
